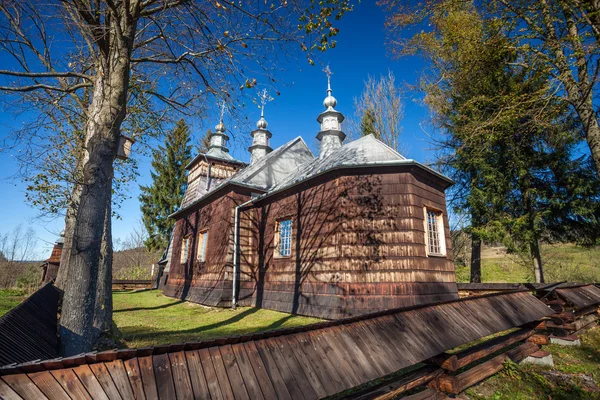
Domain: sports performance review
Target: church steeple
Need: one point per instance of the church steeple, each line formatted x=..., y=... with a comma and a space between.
x=331, y=135
x=218, y=139
x=260, y=136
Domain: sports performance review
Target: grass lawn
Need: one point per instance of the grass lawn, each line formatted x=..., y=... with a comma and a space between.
x=149, y=318
x=10, y=298
x=562, y=262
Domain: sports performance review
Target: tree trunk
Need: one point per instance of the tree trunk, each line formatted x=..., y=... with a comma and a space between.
x=538, y=268
x=475, y=258
x=103, y=316
x=592, y=129
x=106, y=113
x=63, y=271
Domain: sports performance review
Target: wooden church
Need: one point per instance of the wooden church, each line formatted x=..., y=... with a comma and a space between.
x=355, y=229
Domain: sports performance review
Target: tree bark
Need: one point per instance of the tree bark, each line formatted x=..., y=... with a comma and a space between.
x=63, y=271
x=475, y=258
x=103, y=315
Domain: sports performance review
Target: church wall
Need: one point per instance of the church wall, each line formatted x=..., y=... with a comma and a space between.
x=358, y=245
x=206, y=282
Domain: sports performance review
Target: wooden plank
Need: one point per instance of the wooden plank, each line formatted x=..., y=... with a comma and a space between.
x=163, y=376
x=262, y=376
x=338, y=357
x=88, y=379
x=320, y=366
x=48, y=385
x=477, y=352
x=72, y=385
x=210, y=374
x=199, y=385
x=135, y=378
x=271, y=368
x=103, y=376
x=221, y=373
x=148, y=378
x=306, y=379
x=313, y=373
x=252, y=384
x=23, y=386
x=6, y=392
x=268, y=349
x=390, y=389
x=321, y=350
x=233, y=372
x=181, y=376
x=119, y=375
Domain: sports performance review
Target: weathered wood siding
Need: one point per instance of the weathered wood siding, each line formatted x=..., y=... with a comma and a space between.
x=206, y=282
x=358, y=246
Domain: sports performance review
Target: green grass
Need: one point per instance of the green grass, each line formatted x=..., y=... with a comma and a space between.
x=10, y=298
x=564, y=262
x=149, y=318
x=576, y=375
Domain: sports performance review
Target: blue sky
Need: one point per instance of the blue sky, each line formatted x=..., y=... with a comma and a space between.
x=360, y=52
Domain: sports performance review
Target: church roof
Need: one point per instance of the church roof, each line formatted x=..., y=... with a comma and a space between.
x=364, y=152
x=262, y=175
x=215, y=154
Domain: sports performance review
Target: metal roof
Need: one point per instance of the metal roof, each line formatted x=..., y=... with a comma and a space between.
x=262, y=175
x=367, y=151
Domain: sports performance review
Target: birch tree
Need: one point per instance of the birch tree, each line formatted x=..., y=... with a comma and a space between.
x=175, y=53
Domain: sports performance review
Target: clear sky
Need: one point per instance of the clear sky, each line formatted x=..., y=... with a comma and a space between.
x=361, y=51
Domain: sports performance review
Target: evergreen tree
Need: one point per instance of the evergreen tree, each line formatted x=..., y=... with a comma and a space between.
x=367, y=123
x=204, y=143
x=510, y=142
x=169, y=182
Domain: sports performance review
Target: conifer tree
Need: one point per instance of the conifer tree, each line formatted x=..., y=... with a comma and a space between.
x=367, y=123
x=169, y=181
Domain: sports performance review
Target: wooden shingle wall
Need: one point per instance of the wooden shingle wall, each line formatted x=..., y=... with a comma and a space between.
x=358, y=246
x=206, y=282
x=308, y=362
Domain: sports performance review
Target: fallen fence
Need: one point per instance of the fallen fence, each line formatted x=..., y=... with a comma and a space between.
x=308, y=362
x=29, y=331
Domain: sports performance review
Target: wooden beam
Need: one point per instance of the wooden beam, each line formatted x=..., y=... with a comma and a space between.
x=460, y=382
x=538, y=339
x=457, y=361
x=392, y=388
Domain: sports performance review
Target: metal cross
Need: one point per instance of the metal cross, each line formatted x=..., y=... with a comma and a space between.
x=222, y=105
x=264, y=98
x=328, y=72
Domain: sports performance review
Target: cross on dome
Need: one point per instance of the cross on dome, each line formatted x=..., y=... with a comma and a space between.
x=329, y=101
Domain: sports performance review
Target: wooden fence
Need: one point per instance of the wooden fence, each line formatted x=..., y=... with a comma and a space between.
x=28, y=331
x=131, y=284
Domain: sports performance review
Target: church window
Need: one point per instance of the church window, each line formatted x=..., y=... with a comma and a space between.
x=185, y=249
x=434, y=225
x=284, y=238
x=202, y=243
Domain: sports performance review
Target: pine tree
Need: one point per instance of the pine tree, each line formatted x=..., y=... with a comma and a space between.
x=367, y=123
x=204, y=142
x=169, y=182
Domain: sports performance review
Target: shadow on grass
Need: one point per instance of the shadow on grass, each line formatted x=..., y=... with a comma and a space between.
x=158, y=336
x=150, y=308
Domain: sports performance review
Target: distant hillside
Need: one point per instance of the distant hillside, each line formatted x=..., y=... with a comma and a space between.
x=564, y=262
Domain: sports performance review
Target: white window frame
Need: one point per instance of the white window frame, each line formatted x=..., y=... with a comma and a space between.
x=185, y=249
x=439, y=230
x=280, y=241
x=202, y=246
